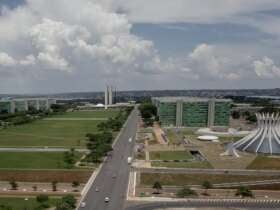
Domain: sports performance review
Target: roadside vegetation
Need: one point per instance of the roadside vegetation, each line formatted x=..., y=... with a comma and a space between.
x=148, y=113
x=186, y=192
x=100, y=143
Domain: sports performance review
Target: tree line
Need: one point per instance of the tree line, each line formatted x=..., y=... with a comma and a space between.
x=100, y=144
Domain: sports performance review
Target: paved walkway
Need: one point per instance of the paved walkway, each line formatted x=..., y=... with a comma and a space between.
x=158, y=133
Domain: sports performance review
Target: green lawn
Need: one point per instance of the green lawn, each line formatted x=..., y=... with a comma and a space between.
x=170, y=155
x=197, y=179
x=229, y=139
x=21, y=204
x=61, y=133
x=195, y=164
x=33, y=160
x=265, y=163
x=89, y=114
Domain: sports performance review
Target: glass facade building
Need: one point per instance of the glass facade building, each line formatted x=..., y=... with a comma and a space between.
x=192, y=112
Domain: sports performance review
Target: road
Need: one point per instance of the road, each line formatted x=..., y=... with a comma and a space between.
x=114, y=188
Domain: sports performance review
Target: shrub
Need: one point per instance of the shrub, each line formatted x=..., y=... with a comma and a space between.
x=42, y=198
x=185, y=192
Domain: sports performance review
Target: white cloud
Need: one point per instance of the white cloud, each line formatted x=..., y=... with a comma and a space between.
x=211, y=61
x=6, y=60
x=89, y=40
x=28, y=60
x=266, y=68
x=53, y=35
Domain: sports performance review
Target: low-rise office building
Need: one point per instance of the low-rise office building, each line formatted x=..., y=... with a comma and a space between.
x=22, y=105
x=192, y=112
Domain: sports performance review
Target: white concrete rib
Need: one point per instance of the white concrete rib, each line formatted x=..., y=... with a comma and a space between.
x=268, y=132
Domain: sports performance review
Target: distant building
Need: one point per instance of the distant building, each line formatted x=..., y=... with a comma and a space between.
x=192, y=112
x=108, y=96
x=25, y=104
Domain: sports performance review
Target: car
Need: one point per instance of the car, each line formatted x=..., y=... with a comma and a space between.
x=96, y=190
x=83, y=204
x=107, y=199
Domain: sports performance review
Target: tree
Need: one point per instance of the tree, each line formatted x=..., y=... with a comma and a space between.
x=70, y=200
x=42, y=198
x=252, y=118
x=5, y=207
x=14, y=185
x=34, y=187
x=235, y=114
x=157, y=186
x=148, y=112
x=63, y=206
x=54, y=185
x=69, y=158
x=75, y=184
x=244, y=192
x=185, y=192
x=206, y=185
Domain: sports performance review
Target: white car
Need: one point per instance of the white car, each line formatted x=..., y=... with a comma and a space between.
x=83, y=204
x=107, y=199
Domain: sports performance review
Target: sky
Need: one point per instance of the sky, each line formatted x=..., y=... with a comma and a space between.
x=68, y=46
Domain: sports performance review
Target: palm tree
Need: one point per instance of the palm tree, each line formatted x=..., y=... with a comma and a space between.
x=206, y=185
x=244, y=192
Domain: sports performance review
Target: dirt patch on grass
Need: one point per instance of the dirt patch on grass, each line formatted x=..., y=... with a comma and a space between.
x=45, y=175
x=197, y=179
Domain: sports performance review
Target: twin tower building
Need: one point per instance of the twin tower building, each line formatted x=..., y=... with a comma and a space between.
x=109, y=96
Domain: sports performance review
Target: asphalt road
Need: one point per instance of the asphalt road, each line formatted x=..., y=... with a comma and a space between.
x=108, y=186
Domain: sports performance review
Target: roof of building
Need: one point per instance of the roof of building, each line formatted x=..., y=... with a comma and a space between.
x=188, y=99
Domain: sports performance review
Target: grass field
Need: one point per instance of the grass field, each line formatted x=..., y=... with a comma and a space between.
x=88, y=114
x=197, y=179
x=170, y=155
x=265, y=163
x=195, y=164
x=21, y=204
x=33, y=160
x=62, y=133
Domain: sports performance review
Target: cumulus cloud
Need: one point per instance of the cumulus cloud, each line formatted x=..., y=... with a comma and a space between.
x=208, y=60
x=91, y=40
x=265, y=68
x=55, y=36
x=6, y=60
